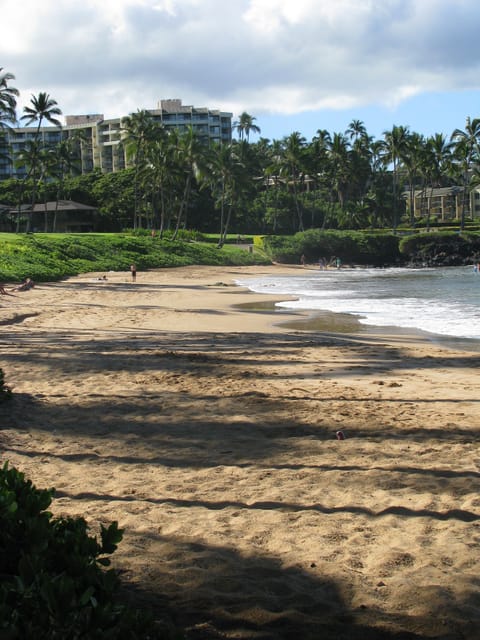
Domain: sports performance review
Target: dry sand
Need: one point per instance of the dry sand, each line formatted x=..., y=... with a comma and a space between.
x=208, y=433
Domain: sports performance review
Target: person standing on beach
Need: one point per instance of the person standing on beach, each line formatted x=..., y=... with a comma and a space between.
x=133, y=271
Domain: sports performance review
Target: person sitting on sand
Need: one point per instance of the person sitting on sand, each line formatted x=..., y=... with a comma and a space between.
x=25, y=286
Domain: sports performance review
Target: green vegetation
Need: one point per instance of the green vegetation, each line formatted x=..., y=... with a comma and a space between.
x=172, y=181
x=446, y=248
x=299, y=195
x=352, y=247
x=50, y=257
x=55, y=582
x=442, y=247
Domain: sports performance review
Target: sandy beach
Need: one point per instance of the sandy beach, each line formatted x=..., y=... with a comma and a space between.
x=207, y=430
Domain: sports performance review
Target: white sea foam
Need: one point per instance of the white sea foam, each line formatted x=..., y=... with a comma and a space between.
x=440, y=301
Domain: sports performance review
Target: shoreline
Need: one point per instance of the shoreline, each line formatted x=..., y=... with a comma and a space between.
x=259, y=302
x=208, y=433
x=315, y=319
x=348, y=324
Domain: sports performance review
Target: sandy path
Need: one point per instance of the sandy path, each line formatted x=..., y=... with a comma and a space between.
x=209, y=434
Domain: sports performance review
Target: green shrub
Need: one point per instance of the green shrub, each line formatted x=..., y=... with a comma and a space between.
x=54, y=582
x=425, y=248
x=50, y=257
x=353, y=247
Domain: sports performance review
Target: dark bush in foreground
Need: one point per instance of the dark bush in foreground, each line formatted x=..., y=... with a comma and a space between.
x=54, y=584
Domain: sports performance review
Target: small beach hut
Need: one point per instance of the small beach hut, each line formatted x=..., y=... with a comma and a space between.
x=61, y=216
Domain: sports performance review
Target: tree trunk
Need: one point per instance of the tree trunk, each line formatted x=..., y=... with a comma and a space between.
x=222, y=214
x=183, y=206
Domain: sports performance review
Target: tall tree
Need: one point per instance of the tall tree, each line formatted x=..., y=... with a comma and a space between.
x=413, y=155
x=8, y=99
x=356, y=131
x=339, y=156
x=441, y=154
x=138, y=131
x=360, y=160
x=434, y=168
x=8, y=105
x=319, y=170
x=190, y=157
x=244, y=125
x=293, y=161
x=272, y=177
x=33, y=159
x=158, y=176
x=78, y=142
x=223, y=174
x=394, y=145
x=466, y=147
x=42, y=107
x=64, y=160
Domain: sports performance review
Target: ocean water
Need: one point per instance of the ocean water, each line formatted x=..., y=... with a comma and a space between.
x=440, y=301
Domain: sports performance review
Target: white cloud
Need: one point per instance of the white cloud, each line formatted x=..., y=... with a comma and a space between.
x=274, y=15
x=279, y=56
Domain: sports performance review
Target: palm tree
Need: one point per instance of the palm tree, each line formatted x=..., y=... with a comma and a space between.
x=138, y=131
x=244, y=125
x=413, y=156
x=466, y=146
x=319, y=169
x=158, y=176
x=361, y=170
x=64, y=160
x=8, y=99
x=78, y=141
x=356, y=131
x=318, y=152
x=293, y=158
x=339, y=156
x=8, y=104
x=271, y=176
x=394, y=144
x=32, y=158
x=223, y=175
x=434, y=167
x=42, y=107
x=190, y=157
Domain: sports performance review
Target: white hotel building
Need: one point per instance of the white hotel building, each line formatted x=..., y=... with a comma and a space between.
x=102, y=146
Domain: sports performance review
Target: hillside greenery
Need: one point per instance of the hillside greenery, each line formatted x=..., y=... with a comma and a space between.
x=50, y=257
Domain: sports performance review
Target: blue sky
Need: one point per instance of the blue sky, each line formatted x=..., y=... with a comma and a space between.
x=427, y=114
x=295, y=65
